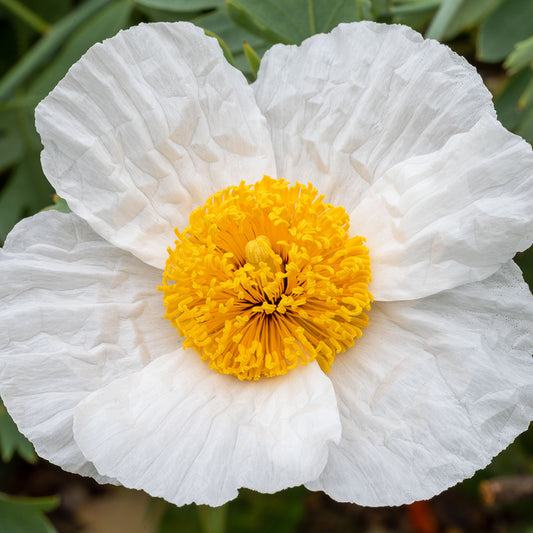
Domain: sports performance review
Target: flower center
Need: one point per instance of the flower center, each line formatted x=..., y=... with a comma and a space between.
x=265, y=278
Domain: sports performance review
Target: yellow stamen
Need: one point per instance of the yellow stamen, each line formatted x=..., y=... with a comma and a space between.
x=266, y=277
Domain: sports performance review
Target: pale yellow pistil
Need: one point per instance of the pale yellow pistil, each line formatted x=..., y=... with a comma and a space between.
x=259, y=250
x=266, y=277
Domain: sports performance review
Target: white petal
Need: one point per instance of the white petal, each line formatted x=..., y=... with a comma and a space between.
x=345, y=107
x=433, y=390
x=181, y=431
x=455, y=216
x=76, y=312
x=144, y=128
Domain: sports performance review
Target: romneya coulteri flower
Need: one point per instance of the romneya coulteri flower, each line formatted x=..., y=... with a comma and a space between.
x=198, y=324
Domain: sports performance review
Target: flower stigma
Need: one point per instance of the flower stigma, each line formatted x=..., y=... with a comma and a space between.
x=266, y=277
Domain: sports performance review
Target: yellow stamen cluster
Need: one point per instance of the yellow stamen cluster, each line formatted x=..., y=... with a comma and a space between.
x=265, y=278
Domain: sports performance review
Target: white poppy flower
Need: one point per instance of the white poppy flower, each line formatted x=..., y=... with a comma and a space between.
x=426, y=386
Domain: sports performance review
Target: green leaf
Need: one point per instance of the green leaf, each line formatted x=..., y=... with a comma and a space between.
x=180, y=6
x=365, y=10
x=26, y=515
x=12, y=440
x=60, y=204
x=52, y=10
x=11, y=144
x=184, y=519
x=253, y=59
x=233, y=36
x=161, y=15
x=220, y=24
x=417, y=15
x=381, y=8
x=507, y=25
x=525, y=129
x=282, y=512
x=520, y=57
x=46, y=46
x=415, y=8
x=32, y=19
x=469, y=15
x=447, y=11
x=292, y=21
x=213, y=519
x=100, y=26
x=526, y=98
x=510, y=112
x=25, y=189
x=225, y=50
x=25, y=193
x=514, y=105
x=10, y=150
x=9, y=52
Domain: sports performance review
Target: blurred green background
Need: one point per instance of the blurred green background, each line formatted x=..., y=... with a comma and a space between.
x=39, y=41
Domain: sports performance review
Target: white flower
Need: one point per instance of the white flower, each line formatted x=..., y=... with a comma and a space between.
x=397, y=130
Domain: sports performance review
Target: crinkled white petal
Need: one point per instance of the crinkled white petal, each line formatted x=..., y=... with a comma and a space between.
x=76, y=312
x=432, y=391
x=455, y=216
x=144, y=128
x=345, y=107
x=181, y=431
